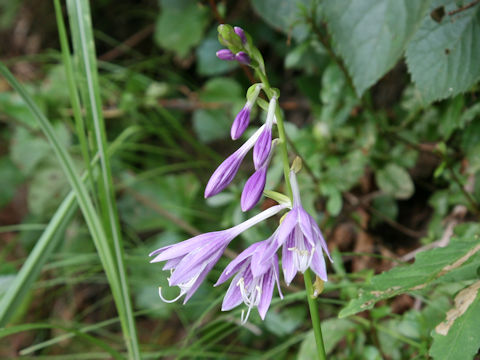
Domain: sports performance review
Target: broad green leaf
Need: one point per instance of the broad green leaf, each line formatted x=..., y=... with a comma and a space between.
x=333, y=331
x=286, y=321
x=372, y=34
x=443, y=55
x=457, y=337
x=427, y=268
x=395, y=180
x=283, y=15
x=180, y=25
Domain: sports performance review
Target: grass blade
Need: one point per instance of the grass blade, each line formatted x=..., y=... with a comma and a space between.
x=82, y=34
x=90, y=214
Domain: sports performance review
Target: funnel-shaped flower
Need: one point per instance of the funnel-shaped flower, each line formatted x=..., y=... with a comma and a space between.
x=251, y=288
x=302, y=240
x=263, y=146
x=191, y=260
x=227, y=170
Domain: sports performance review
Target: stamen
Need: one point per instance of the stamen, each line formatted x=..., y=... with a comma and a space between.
x=169, y=301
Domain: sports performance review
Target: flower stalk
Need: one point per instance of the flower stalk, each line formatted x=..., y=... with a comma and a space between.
x=283, y=147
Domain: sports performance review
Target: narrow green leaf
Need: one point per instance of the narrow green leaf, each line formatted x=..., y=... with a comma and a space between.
x=91, y=217
x=372, y=34
x=443, y=55
x=82, y=34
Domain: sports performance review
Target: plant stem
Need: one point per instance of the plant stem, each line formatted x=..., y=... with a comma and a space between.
x=317, y=330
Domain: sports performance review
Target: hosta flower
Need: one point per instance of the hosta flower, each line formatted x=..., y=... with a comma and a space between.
x=227, y=170
x=191, y=260
x=263, y=146
x=253, y=189
x=225, y=54
x=242, y=119
x=254, y=288
x=302, y=240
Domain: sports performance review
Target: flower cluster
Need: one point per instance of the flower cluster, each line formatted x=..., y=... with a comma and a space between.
x=255, y=271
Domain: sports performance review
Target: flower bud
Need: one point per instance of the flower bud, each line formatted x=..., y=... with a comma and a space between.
x=243, y=58
x=225, y=54
x=239, y=31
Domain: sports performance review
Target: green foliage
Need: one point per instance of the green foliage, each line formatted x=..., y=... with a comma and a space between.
x=441, y=57
x=180, y=25
x=371, y=35
x=395, y=180
x=429, y=267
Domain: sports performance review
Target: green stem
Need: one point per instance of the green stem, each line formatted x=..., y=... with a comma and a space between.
x=317, y=330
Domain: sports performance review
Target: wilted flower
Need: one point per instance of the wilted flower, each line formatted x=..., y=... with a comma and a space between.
x=263, y=145
x=191, y=260
x=302, y=240
x=254, y=288
x=227, y=170
x=225, y=54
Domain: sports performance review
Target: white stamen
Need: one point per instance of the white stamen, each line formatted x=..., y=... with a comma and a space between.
x=251, y=296
x=169, y=301
x=302, y=258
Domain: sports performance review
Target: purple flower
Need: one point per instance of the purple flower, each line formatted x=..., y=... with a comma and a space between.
x=225, y=54
x=191, y=260
x=264, y=144
x=241, y=122
x=243, y=58
x=227, y=170
x=239, y=31
x=302, y=241
x=254, y=288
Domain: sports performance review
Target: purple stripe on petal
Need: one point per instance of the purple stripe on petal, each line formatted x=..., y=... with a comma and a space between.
x=318, y=265
x=253, y=189
x=288, y=265
x=233, y=297
x=267, y=292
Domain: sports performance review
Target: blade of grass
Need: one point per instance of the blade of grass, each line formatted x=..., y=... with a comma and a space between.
x=90, y=214
x=81, y=28
x=45, y=244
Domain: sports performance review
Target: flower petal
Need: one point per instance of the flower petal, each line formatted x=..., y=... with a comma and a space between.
x=253, y=189
x=267, y=292
x=288, y=264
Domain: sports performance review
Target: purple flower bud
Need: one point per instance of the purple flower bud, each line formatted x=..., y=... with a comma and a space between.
x=241, y=122
x=264, y=144
x=253, y=189
x=239, y=31
x=225, y=54
x=243, y=58
x=262, y=148
x=227, y=170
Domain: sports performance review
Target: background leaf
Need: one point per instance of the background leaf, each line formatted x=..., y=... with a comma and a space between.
x=442, y=57
x=395, y=180
x=371, y=34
